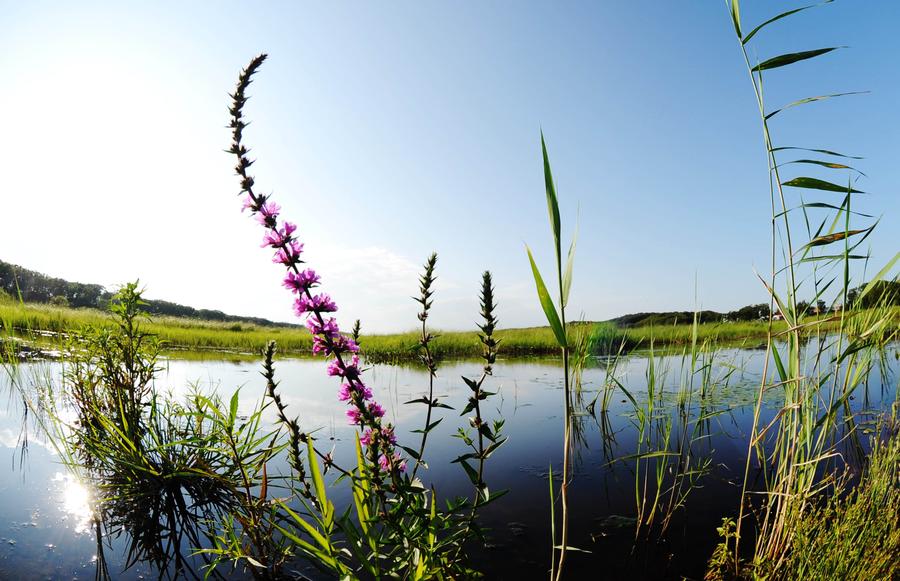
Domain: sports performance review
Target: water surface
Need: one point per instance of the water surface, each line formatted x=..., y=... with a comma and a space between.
x=45, y=525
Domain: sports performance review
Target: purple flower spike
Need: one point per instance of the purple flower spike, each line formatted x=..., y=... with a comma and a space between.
x=385, y=463
x=376, y=410
x=268, y=212
x=354, y=415
x=272, y=238
x=350, y=371
x=300, y=282
x=333, y=344
x=362, y=410
x=328, y=328
x=289, y=255
x=320, y=303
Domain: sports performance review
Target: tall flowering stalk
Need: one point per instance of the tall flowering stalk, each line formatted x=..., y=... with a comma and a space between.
x=425, y=355
x=398, y=532
x=315, y=307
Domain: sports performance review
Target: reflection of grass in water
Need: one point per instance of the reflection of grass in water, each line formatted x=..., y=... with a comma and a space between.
x=165, y=475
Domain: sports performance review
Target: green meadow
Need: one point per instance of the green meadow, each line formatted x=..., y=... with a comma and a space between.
x=43, y=325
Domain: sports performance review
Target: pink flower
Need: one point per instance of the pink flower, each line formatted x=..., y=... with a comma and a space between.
x=320, y=303
x=376, y=410
x=385, y=463
x=354, y=416
x=300, y=282
x=327, y=327
x=275, y=238
x=327, y=338
x=272, y=238
x=345, y=392
x=333, y=344
x=385, y=434
x=340, y=369
x=289, y=254
x=268, y=212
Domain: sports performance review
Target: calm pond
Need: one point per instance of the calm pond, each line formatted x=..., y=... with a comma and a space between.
x=45, y=524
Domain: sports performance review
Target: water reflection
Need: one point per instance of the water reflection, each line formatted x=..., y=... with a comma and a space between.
x=712, y=426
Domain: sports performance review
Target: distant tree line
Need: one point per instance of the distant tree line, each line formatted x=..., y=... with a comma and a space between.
x=882, y=293
x=35, y=287
x=667, y=318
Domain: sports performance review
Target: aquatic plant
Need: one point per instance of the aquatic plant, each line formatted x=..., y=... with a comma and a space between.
x=484, y=431
x=557, y=320
x=797, y=451
x=159, y=469
x=398, y=530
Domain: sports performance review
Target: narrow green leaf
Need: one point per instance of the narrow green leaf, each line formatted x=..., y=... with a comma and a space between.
x=233, y=408
x=308, y=548
x=470, y=472
x=547, y=302
x=812, y=100
x=319, y=484
x=469, y=406
x=828, y=164
x=824, y=206
x=414, y=454
x=311, y=530
x=791, y=58
x=779, y=364
x=881, y=274
x=552, y=203
x=361, y=490
x=825, y=151
x=571, y=548
x=736, y=17
x=429, y=427
x=817, y=184
x=829, y=238
x=834, y=258
x=753, y=32
x=567, y=275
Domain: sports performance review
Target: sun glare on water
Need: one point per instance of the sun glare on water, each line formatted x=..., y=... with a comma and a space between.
x=75, y=501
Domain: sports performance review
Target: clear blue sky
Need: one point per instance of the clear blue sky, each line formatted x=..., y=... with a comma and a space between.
x=388, y=130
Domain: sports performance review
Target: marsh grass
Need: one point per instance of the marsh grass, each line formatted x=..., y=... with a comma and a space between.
x=855, y=534
x=797, y=452
x=47, y=325
x=165, y=475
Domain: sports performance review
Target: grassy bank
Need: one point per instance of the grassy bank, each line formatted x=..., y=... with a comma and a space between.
x=41, y=323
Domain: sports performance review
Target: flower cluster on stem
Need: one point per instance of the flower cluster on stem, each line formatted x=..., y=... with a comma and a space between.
x=315, y=307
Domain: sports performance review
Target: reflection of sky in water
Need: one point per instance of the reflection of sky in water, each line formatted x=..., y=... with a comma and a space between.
x=529, y=397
